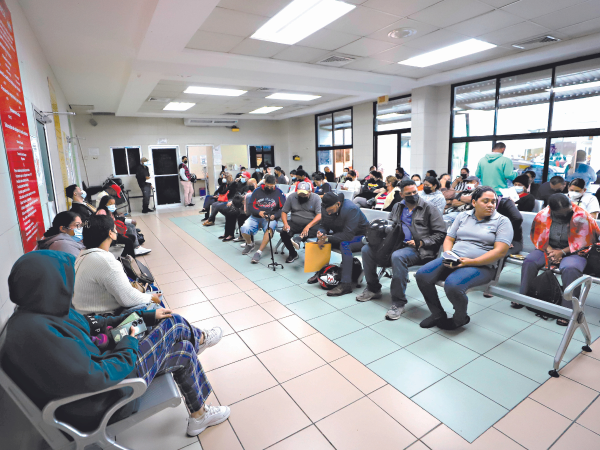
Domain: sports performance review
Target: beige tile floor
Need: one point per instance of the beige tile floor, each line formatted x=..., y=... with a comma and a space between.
x=290, y=387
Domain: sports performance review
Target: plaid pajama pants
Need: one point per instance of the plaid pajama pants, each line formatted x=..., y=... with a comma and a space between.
x=172, y=346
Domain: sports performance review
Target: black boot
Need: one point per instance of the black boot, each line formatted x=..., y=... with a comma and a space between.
x=340, y=289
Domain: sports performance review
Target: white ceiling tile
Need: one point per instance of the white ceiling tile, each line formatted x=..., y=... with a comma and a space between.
x=421, y=30
x=267, y=8
x=362, y=21
x=237, y=23
x=254, y=47
x=528, y=9
x=298, y=53
x=396, y=54
x=366, y=64
x=215, y=42
x=515, y=33
x=486, y=23
x=326, y=39
x=400, y=8
x=498, y=3
x=449, y=12
x=437, y=39
x=582, y=29
x=570, y=16
x=365, y=47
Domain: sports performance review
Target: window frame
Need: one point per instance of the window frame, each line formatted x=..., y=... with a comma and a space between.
x=548, y=135
x=399, y=131
x=333, y=147
x=126, y=147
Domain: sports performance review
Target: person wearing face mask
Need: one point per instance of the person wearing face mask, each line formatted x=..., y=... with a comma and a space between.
x=431, y=193
x=555, y=185
x=224, y=194
x=301, y=176
x=64, y=235
x=142, y=175
x=322, y=186
x=107, y=207
x=185, y=178
x=579, y=195
x=351, y=183
x=300, y=215
x=459, y=183
x=370, y=188
x=462, y=201
x=558, y=232
x=579, y=169
x=342, y=178
x=526, y=201
x=79, y=205
x=343, y=225
x=424, y=231
x=417, y=179
x=236, y=210
x=401, y=174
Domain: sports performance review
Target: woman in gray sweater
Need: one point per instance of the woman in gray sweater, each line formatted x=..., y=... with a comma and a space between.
x=64, y=235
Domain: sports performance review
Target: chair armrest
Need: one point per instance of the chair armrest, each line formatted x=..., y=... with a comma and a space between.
x=586, y=282
x=138, y=386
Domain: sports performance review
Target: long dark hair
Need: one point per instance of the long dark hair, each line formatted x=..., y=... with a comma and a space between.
x=62, y=219
x=103, y=202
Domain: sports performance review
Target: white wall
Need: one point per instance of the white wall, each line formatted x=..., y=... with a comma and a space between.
x=300, y=134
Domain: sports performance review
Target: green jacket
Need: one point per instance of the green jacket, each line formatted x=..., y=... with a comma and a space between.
x=494, y=169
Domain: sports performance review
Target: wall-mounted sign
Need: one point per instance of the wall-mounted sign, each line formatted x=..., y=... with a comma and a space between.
x=162, y=141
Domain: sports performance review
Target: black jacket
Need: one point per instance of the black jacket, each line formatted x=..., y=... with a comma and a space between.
x=140, y=174
x=427, y=226
x=262, y=201
x=526, y=203
x=509, y=210
x=347, y=224
x=83, y=211
x=330, y=177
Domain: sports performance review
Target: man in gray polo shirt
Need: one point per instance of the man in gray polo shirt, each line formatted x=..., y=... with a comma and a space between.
x=300, y=215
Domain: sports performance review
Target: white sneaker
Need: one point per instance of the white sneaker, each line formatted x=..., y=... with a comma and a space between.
x=213, y=415
x=141, y=251
x=211, y=337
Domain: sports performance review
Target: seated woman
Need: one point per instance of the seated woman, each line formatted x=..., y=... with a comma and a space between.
x=45, y=332
x=101, y=285
x=417, y=179
x=579, y=195
x=236, y=210
x=107, y=207
x=371, y=187
x=231, y=187
x=386, y=200
x=526, y=200
x=431, y=193
x=64, y=235
x=480, y=237
x=210, y=199
x=558, y=233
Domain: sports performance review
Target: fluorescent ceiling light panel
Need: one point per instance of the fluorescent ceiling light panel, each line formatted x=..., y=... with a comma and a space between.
x=576, y=87
x=178, y=106
x=391, y=116
x=266, y=109
x=295, y=97
x=214, y=91
x=300, y=19
x=448, y=53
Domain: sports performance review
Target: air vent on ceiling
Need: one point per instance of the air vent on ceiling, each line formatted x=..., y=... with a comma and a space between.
x=536, y=42
x=336, y=61
x=159, y=99
x=233, y=114
x=209, y=122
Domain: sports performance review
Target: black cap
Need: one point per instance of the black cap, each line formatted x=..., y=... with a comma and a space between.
x=329, y=199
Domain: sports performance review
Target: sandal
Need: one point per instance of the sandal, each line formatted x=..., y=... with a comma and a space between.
x=562, y=322
x=208, y=223
x=515, y=305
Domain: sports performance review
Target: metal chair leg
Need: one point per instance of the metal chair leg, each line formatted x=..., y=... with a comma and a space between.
x=564, y=343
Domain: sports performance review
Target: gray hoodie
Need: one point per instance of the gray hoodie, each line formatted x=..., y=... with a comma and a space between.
x=61, y=242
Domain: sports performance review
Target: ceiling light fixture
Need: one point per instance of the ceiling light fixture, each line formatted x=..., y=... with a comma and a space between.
x=391, y=116
x=575, y=87
x=266, y=109
x=214, y=91
x=295, y=97
x=178, y=106
x=402, y=33
x=300, y=19
x=448, y=53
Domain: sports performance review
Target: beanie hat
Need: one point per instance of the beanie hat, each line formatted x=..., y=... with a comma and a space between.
x=523, y=179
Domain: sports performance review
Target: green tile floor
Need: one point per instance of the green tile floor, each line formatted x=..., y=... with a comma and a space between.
x=467, y=378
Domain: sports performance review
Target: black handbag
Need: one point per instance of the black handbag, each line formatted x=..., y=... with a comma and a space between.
x=593, y=261
x=136, y=270
x=546, y=287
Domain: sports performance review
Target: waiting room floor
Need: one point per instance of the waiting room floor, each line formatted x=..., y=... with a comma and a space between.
x=301, y=370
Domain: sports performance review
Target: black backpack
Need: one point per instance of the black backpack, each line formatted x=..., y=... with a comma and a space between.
x=546, y=287
x=384, y=238
x=136, y=270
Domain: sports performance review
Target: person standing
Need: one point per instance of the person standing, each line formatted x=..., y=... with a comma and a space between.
x=185, y=178
x=494, y=169
x=142, y=174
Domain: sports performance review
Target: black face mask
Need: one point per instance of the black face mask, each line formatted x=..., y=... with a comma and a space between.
x=302, y=199
x=185, y=161
x=464, y=176
x=427, y=189
x=448, y=184
x=412, y=199
x=563, y=217
x=269, y=190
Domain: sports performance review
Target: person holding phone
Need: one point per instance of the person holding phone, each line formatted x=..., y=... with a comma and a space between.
x=478, y=238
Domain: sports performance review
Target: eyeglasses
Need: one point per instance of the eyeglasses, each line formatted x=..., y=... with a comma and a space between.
x=78, y=226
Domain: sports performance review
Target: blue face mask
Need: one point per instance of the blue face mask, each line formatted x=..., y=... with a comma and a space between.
x=78, y=236
x=242, y=180
x=83, y=194
x=111, y=208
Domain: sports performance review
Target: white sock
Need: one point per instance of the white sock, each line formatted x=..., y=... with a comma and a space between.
x=259, y=252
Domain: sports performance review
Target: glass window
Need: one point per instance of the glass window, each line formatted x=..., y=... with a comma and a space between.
x=527, y=154
x=394, y=115
x=577, y=96
x=468, y=154
x=336, y=160
x=342, y=122
x=404, y=152
x=125, y=160
x=474, y=109
x=564, y=154
x=524, y=103
x=325, y=124
x=387, y=151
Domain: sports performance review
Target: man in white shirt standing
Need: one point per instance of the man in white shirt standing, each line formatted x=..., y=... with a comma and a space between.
x=185, y=179
x=351, y=183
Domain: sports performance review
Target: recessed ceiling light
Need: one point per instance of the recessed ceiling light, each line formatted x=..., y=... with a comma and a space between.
x=178, y=106
x=402, y=33
x=214, y=91
x=298, y=97
x=266, y=109
x=300, y=19
x=448, y=53
x=575, y=87
x=392, y=116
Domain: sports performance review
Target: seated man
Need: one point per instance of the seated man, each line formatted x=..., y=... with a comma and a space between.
x=79, y=206
x=301, y=214
x=424, y=231
x=558, y=232
x=370, y=189
x=343, y=225
x=265, y=206
x=556, y=185
x=462, y=201
x=322, y=187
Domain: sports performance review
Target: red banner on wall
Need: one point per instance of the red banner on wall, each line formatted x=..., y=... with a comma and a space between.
x=21, y=164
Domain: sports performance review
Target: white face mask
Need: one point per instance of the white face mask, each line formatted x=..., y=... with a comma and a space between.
x=83, y=194
x=573, y=195
x=470, y=187
x=224, y=180
x=519, y=189
x=417, y=182
x=147, y=164
x=111, y=208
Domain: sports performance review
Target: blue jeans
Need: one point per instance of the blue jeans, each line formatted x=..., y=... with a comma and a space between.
x=571, y=268
x=402, y=259
x=346, y=249
x=253, y=224
x=457, y=282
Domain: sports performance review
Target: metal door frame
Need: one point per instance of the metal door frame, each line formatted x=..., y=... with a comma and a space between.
x=152, y=176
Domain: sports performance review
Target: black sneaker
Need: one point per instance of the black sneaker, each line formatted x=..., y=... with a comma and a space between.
x=191, y=204
x=292, y=258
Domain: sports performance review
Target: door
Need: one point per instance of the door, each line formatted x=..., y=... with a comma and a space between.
x=47, y=193
x=388, y=152
x=198, y=162
x=165, y=163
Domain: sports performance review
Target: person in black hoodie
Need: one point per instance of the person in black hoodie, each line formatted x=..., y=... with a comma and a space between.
x=50, y=354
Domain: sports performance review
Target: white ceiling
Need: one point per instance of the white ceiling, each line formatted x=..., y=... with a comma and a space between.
x=115, y=55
